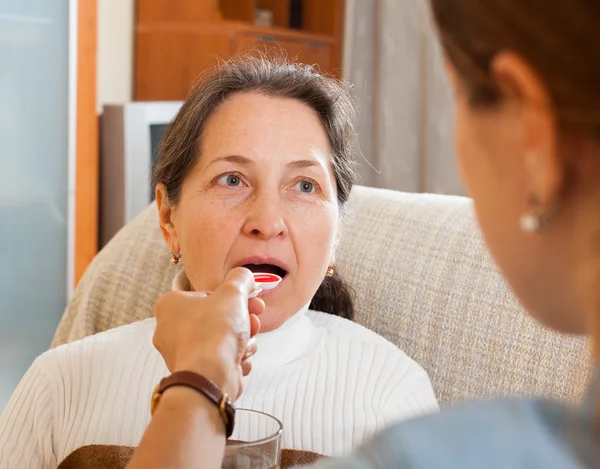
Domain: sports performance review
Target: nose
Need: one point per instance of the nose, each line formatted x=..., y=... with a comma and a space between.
x=265, y=219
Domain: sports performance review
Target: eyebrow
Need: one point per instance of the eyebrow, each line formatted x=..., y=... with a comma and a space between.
x=238, y=159
x=242, y=160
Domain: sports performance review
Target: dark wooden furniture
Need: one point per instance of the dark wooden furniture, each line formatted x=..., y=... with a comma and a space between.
x=175, y=40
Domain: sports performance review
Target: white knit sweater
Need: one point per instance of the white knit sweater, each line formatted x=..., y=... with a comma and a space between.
x=330, y=381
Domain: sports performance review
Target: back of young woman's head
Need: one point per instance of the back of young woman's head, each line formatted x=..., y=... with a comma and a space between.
x=558, y=40
x=328, y=97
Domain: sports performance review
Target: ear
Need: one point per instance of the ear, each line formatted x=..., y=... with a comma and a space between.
x=165, y=217
x=545, y=168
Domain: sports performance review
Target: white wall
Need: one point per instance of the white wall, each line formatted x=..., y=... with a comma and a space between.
x=115, y=51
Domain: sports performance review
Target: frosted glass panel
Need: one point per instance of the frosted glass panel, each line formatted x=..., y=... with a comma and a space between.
x=34, y=180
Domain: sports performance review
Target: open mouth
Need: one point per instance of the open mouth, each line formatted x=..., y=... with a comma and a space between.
x=266, y=269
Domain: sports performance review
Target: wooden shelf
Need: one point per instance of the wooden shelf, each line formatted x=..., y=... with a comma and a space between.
x=280, y=9
x=318, y=16
x=286, y=33
x=175, y=44
x=175, y=10
x=238, y=27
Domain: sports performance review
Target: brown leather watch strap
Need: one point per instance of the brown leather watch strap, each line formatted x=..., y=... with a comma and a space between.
x=205, y=387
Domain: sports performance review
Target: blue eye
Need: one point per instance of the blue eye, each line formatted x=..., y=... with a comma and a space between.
x=231, y=180
x=306, y=187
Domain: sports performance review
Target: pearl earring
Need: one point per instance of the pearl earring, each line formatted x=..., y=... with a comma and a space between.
x=530, y=223
x=536, y=220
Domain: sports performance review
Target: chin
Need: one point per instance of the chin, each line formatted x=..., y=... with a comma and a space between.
x=561, y=321
x=562, y=325
x=270, y=320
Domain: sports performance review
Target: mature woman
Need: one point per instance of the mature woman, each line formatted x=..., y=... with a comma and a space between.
x=526, y=76
x=254, y=172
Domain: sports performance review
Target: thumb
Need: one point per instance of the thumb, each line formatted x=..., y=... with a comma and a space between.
x=195, y=294
x=239, y=279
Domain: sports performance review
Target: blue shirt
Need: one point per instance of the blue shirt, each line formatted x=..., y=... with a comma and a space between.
x=496, y=434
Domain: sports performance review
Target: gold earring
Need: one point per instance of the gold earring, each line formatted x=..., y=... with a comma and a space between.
x=330, y=271
x=175, y=258
x=536, y=220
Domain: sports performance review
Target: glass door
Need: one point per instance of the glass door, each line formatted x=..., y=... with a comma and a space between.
x=35, y=186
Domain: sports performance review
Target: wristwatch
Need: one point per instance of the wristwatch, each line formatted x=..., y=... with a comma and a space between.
x=205, y=387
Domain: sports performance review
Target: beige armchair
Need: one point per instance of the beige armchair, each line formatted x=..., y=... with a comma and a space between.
x=423, y=280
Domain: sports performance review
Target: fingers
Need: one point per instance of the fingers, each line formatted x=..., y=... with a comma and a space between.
x=256, y=306
x=254, y=325
x=246, y=368
x=250, y=349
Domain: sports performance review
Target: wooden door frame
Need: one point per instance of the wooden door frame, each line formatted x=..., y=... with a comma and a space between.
x=86, y=147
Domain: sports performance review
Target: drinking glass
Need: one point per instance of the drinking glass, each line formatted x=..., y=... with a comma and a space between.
x=255, y=442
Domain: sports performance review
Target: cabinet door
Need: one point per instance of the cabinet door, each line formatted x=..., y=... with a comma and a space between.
x=148, y=11
x=34, y=161
x=305, y=51
x=168, y=59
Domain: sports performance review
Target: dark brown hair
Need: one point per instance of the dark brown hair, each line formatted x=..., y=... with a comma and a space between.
x=329, y=98
x=559, y=39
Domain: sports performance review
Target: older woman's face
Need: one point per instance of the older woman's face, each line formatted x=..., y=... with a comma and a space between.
x=262, y=195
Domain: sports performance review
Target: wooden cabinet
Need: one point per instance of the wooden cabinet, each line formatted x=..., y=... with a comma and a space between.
x=168, y=59
x=311, y=52
x=176, y=41
x=161, y=11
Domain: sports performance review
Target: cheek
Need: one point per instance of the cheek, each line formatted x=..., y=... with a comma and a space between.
x=478, y=174
x=314, y=233
x=483, y=154
x=466, y=146
x=201, y=220
x=206, y=234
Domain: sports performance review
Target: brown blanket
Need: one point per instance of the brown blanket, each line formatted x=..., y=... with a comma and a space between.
x=117, y=457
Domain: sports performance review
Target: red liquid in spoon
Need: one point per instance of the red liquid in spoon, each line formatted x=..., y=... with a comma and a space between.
x=266, y=278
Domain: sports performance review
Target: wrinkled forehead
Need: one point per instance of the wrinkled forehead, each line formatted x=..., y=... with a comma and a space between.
x=265, y=128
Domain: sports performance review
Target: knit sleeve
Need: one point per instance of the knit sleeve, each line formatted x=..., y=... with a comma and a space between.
x=407, y=394
x=27, y=422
